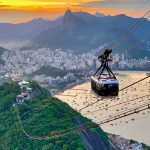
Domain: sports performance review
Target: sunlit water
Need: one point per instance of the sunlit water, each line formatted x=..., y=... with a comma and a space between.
x=135, y=126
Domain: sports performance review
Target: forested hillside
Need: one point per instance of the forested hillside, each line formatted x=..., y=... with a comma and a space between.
x=41, y=116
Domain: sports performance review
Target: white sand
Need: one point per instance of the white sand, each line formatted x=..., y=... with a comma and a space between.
x=135, y=127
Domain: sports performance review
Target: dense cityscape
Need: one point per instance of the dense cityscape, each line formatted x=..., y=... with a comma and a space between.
x=18, y=64
x=75, y=75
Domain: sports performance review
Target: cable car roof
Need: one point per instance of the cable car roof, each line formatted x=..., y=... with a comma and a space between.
x=105, y=81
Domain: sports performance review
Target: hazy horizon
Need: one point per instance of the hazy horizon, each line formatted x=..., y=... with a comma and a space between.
x=25, y=10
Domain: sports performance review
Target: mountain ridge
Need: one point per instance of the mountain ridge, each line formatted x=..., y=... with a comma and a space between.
x=9, y=31
x=83, y=32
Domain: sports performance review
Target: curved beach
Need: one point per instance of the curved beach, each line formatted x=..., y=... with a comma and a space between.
x=135, y=126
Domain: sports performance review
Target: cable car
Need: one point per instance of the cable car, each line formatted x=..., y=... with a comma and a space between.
x=105, y=84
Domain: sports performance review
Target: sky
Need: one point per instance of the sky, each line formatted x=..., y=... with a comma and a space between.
x=16, y=11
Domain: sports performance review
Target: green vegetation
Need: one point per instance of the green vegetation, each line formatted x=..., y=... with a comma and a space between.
x=2, y=62
x=143, y=145
x=40, y=116
x=132, y=141
x=1, y=53
x=50, y=71
x=2, y=50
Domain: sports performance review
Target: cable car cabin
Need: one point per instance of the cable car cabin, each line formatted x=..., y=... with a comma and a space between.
x=105, y=86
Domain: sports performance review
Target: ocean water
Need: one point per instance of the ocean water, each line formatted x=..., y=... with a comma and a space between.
x=135, y=126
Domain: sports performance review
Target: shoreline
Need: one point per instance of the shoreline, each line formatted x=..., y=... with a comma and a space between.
x=82, y=98
x=122, y=73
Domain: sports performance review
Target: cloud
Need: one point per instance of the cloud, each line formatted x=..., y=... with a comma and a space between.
x=117, y=4
x=122, y=0
x=17, y=16
x=5, y=6
x=49, y=8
